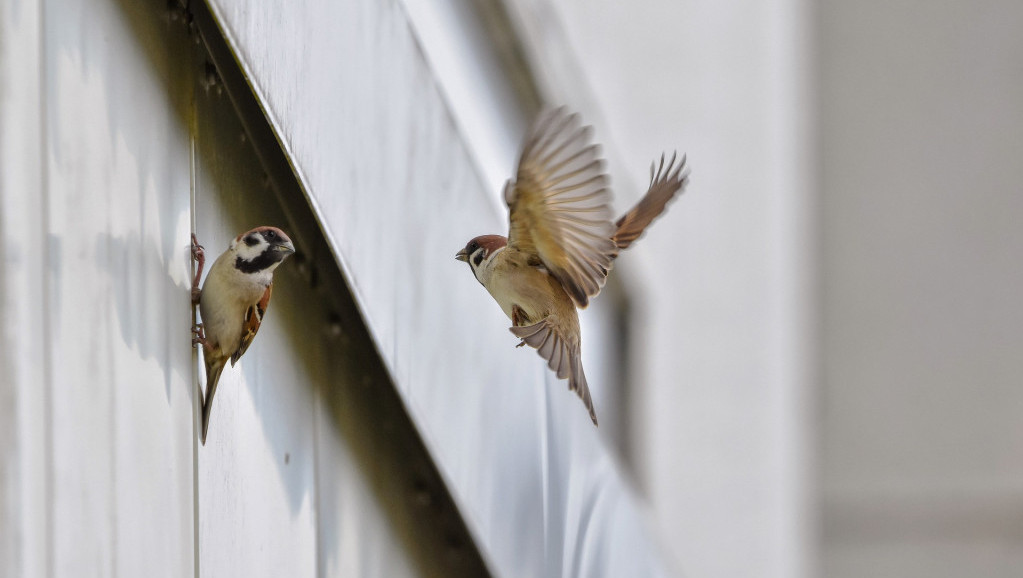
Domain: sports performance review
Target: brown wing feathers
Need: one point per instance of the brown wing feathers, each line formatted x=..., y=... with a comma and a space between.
x=559, y=205
x=664, y=184
x=253, y=319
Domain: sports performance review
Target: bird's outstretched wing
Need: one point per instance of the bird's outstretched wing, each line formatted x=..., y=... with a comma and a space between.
x=665, y=183
x=560, y=205
x=562, y=355
x=253, y=319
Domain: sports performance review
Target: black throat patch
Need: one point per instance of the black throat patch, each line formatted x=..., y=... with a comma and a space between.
x=260, y=263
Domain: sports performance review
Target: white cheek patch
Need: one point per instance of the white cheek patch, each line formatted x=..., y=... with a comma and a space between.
x=251, y=252
x=482, y=271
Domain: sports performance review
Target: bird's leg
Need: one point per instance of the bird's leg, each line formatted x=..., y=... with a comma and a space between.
x=518, y=316
x=199, y=335
x=199, y=254
x=518, y=319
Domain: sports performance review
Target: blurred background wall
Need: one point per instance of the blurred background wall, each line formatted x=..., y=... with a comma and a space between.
x=830, y=369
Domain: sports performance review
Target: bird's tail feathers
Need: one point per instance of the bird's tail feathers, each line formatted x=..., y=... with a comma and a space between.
x=562, y=357
x=213, y=372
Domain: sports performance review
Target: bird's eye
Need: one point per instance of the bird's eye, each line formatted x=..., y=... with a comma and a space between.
x=473, y=246
x=270, y=235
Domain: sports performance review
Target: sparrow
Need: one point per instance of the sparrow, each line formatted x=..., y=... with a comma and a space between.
x=561, y=241
x=233, y=300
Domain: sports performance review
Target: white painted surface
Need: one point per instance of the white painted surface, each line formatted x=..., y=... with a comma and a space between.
x=471, y=77
x=24, y=496
x=115, y=201
x=922, y=135
x=92, y=269
x=398, y=195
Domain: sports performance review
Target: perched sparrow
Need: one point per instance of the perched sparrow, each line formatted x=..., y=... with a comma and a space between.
x=561, y=242
x=233, y=300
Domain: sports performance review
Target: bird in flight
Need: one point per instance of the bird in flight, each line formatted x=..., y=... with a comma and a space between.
x=562, y=241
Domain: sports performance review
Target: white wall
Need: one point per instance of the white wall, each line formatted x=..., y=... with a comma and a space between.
x=95, y=211
x=922, y=222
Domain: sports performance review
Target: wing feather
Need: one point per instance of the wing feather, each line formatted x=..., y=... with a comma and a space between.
x=253, y=319
x=560, y=205
x=665, y=184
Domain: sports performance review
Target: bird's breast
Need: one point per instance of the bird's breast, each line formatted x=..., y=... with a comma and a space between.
x=226, y=295
x=531, y=289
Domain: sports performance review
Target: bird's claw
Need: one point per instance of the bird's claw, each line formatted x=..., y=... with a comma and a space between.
x=199, y=254
x=521, y=343
x=198, y=251
x=199, y=335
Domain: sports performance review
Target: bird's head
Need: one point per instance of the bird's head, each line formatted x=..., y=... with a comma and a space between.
x=261, y=249
x=479, y=252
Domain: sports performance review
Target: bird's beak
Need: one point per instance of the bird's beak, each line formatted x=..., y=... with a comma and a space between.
x=462, y=256
x=286, y=248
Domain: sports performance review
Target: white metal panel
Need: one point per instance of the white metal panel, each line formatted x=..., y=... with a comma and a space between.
x=117, y=211
x=348, y=512
x=348, y=93
x=473, y=75
x=922, y=207
x=24, y=496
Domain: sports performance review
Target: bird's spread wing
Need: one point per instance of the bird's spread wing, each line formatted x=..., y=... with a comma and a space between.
x=562, y=356
x=559, y=205
x=253, y=318
x=665, y=183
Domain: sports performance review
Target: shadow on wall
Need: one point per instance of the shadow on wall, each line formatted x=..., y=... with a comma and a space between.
x=141, y=303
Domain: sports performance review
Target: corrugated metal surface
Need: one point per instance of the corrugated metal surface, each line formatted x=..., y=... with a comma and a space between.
x=93, y=235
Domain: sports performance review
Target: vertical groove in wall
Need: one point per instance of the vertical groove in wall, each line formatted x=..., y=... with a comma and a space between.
x=44, y=215
x=195, y=352
x=318, y=545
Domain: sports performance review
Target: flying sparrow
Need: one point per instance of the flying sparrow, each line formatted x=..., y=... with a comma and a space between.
x=561, y=241
x=233, y=300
